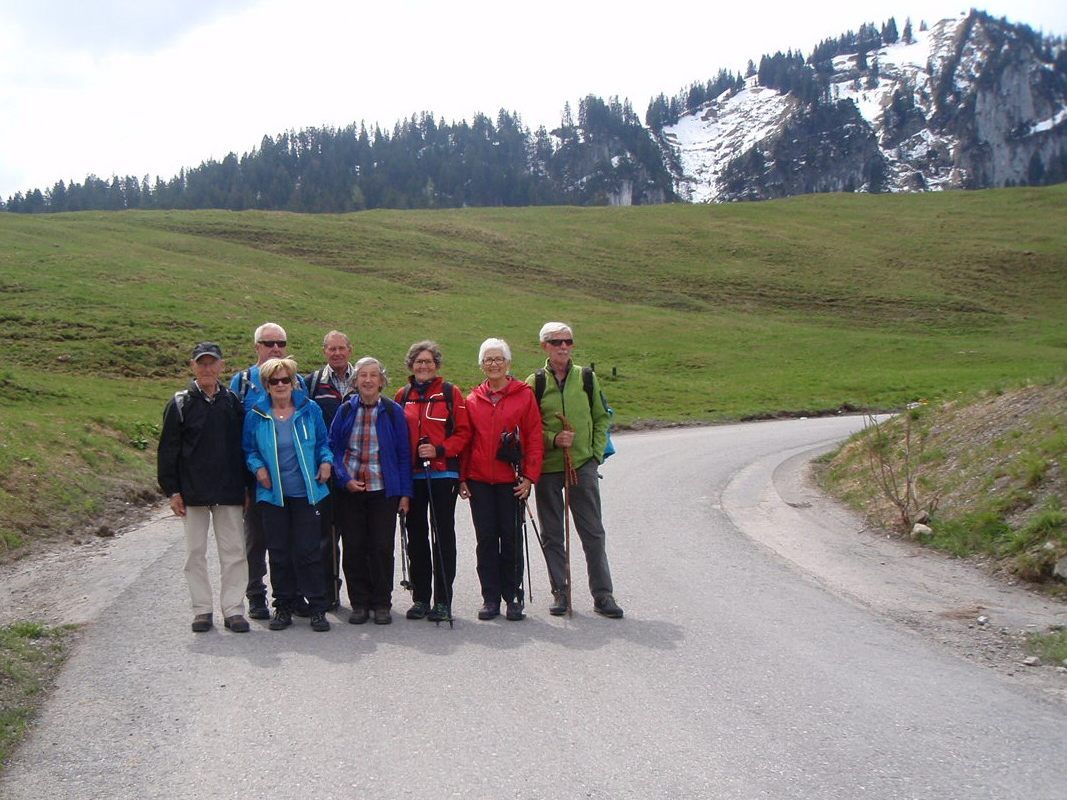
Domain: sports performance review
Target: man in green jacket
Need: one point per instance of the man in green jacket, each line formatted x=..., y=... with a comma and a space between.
x=564, y=393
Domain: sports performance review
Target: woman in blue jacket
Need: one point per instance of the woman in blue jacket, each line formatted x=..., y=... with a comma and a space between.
x=372, y=462
x=286, y=449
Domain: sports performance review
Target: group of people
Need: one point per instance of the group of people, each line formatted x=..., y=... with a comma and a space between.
x=309, y=473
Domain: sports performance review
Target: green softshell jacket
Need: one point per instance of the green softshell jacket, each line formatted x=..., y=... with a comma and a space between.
x=590, y=425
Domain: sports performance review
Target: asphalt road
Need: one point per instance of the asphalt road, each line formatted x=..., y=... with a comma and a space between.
x=733, y=675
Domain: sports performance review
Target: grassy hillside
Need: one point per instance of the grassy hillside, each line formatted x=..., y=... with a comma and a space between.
x=992, y=469
x=708, y=313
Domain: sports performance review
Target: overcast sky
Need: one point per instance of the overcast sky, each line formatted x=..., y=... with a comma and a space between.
x=144, y=87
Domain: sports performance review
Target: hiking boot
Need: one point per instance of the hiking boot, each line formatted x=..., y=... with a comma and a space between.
x=418, y=610
x=489, y=610
x=300, y=608
x=283, y=618
x=439, y=613
x=319, y=622
x=236, y=623
x=358, y=616
x=382, y=616
x=202, y=623
x=559, y=604
x=514, y=612
x=606, y=606
x=257, y=607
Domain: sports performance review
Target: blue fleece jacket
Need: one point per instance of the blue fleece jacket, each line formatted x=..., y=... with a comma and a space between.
x=312, y=449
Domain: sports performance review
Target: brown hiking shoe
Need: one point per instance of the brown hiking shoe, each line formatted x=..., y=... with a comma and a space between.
x=202, y=623
x=236, y=623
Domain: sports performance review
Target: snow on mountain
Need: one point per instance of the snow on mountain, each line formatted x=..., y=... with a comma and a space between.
x=970, y=102
x=720, y=131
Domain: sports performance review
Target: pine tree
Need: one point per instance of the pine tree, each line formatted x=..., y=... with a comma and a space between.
x=908, y=37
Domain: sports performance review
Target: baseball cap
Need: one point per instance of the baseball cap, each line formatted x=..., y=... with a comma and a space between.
x=207, y=349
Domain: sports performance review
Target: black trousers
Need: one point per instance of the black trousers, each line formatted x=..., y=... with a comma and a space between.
x=368, y=530
x=331, y=549
x=293, y=533
x=255, y=551
x=441, y=563
x=497, y=526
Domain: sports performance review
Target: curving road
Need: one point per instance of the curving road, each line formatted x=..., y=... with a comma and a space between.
x=732, y=676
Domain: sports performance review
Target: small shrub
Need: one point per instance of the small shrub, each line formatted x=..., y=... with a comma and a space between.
x=1051, y=647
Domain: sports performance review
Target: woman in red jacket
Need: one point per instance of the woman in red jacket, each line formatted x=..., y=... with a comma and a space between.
x=438, y=431
x=496, y=476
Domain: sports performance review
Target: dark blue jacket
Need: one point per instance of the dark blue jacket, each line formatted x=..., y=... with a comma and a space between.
x=393, y=449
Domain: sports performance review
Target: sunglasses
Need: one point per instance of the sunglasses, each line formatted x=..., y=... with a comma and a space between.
x=273, y=342
x=275, y=381
x=558, y=342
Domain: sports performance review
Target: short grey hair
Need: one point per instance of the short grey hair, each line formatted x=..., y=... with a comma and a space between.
x=553, y=327
x=333, y=334
x=366, y=361
x=494, y=344
x=418, y=347
x=259, y=331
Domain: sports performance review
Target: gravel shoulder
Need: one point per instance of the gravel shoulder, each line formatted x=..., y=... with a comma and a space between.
x=934, y=595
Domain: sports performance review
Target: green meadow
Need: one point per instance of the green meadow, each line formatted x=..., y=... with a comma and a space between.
x=690, y=313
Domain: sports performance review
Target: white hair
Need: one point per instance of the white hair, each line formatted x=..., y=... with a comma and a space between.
x=259, y=331
x=366, y=361
x=553, y=327
x=494, y=344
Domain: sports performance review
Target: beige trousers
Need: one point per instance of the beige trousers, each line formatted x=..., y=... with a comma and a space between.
x=233, y=567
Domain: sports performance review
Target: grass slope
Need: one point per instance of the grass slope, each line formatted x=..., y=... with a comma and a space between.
x=707, y=312
x=992, y=469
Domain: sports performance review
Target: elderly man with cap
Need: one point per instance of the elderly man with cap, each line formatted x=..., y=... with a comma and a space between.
x=563, y=387
x=200, y=467
x=270, y=342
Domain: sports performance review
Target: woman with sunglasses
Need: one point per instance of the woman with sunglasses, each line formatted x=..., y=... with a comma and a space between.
x=501, y=463
x=438, y=431
x=287, y=450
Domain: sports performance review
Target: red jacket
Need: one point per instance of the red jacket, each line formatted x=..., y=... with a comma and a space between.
x=426, y=415
x=517, y=409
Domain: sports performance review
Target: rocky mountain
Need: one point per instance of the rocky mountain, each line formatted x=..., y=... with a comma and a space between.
x=971, y=102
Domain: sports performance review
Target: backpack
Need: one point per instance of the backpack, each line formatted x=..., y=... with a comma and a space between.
x=540, y=381
x=447, y=391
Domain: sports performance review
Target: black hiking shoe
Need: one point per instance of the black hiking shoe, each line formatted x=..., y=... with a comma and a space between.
x=418, y=610
x=440, y=613
x=319, y=622
x=489, y=610
x=202, y=623
x=559, y=604
x=606, y=606
x=514, y=612
x=358, y=616
x=283, y=618
x=257, y=607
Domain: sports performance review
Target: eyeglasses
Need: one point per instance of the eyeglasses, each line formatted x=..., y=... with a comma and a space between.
x=275, y=381
x=558, y=342
x=273, y=342
x=423, y=362
x=493, y=360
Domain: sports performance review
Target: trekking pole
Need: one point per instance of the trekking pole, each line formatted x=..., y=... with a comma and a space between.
x=435, y=542
x=523, y=513
x=570, y=477
x=405, y=583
